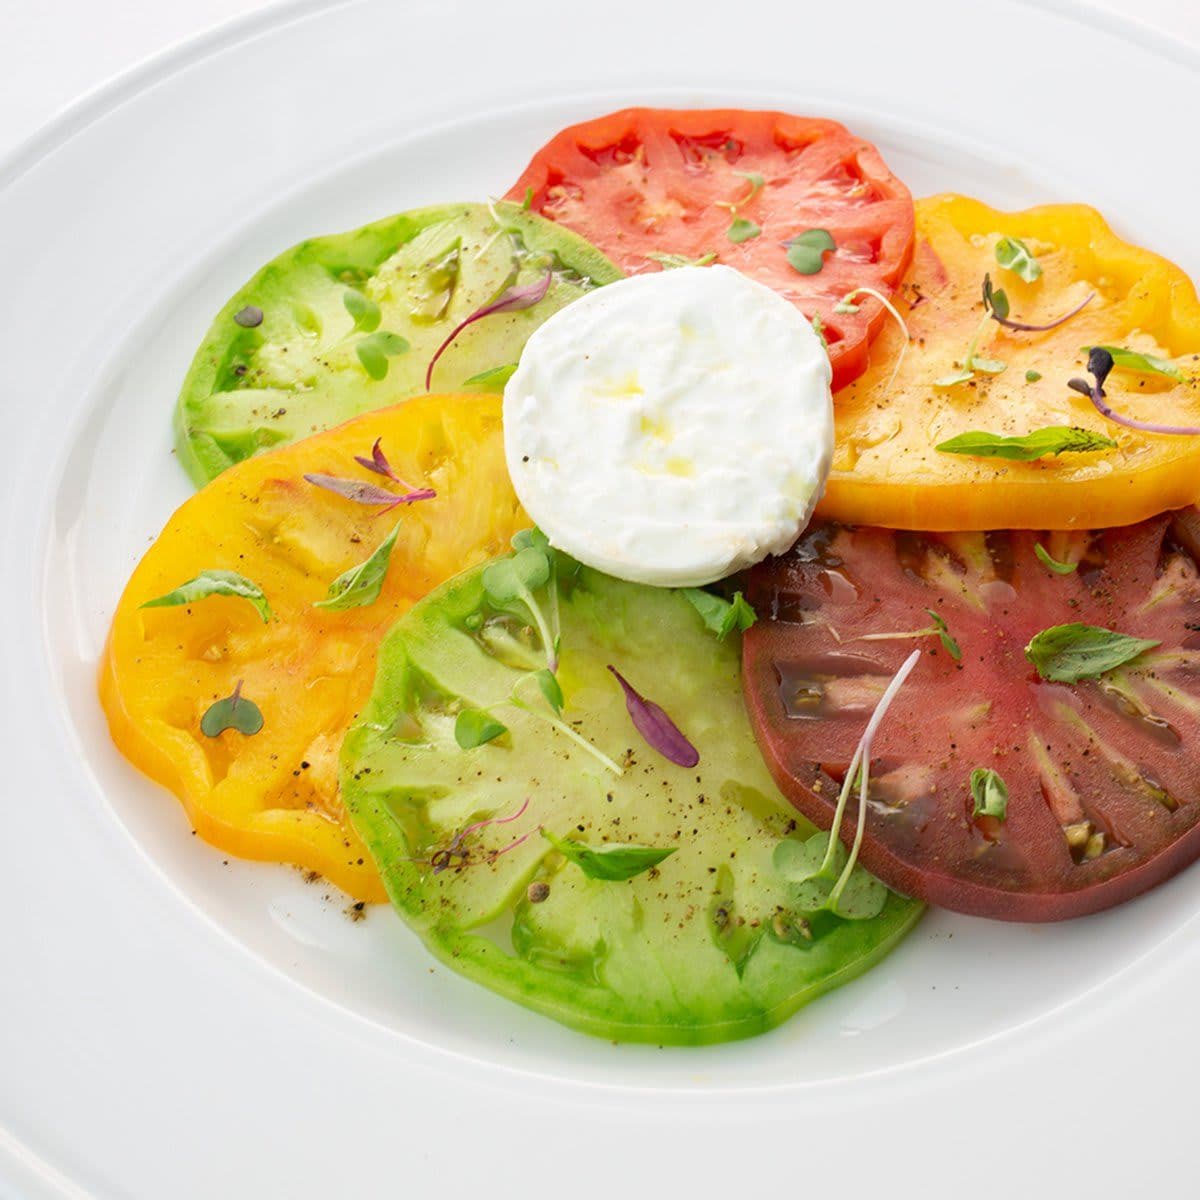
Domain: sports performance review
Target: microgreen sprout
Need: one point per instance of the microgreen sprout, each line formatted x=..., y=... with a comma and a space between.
x=444, y=857
x=996, y=307
x=554, y=700
x=938, y=629
x=512, y=299
x=1100, y=364
x=756, y=182
x=1014, y=255
x=1051, y=563
x=989, y=793
x=806, y=251
x=671, y=261
x=742, y=230
x=368, y=493
x=1144, y=364
x=850, y=894
x=233, y=712
x=846, y=305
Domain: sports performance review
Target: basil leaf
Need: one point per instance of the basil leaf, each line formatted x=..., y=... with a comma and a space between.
x=806, y=252
x=742, y=230
x=1053, y=439
x=493, y=379
x=549, y=686
x=215, y=583
x=234, y=712
x=682, y=260
x=613, y=861
x=361, y=585
x=473, y=727
x=1069, y=653
x=1051, y=563
x=990, y=794
x=1013, y=255
x=951, y=647
x=364, y=311
x=721, y=616
x=1147, y=364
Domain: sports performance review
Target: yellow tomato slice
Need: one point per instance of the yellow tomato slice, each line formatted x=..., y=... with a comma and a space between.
x=886, y=470
x=274, y=795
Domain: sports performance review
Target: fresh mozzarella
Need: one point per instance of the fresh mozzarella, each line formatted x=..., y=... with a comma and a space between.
x=672, y=428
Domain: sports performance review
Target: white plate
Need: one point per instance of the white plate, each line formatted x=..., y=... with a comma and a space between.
x=175, y=1025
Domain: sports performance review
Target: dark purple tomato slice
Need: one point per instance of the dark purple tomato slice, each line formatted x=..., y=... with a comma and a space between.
x=1103, y=775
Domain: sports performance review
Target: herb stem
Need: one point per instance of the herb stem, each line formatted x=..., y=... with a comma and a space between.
x=567, y=731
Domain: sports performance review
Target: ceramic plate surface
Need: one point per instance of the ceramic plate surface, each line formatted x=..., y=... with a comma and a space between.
x=176, y=1025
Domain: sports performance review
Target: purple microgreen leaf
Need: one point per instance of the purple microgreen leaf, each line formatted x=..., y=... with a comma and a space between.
x=378, y=462
x=368, y=493
x=1100, y=365
x=513, y=299
x=996, y=302
x=652, y=722
x=444, y=857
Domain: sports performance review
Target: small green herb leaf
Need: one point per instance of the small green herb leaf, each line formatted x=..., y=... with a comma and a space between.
x=800, y=863
x=215, y=583
x=949, y=381
x=756, y=182
x=1013, y=255
x=493, y=379
x=681, y=260
x=1032, y=376
x=742, y=230
x=234, y=712
x=951, y=647
x=1069, y=653
x=1053, y=439
x=549, y=686
x=990, y=794
x=512, y=578
x=1051, y=563
x=1146, y=364
x=364, y=311
x=613, y=861
x=989, y=366
x=362, y=584
x=806, y=252
x=721, y=616
x=474, y=727
x=375, y=350
x=995, y=300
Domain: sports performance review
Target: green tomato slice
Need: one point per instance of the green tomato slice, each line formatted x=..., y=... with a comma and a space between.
x=710, y=944
x=350, y=322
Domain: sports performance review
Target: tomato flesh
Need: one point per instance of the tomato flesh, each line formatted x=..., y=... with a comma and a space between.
x=659, y=181
x=1103, y=776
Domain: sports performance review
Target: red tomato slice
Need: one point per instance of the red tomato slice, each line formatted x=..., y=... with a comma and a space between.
x=1103, y=775
x=648, y=181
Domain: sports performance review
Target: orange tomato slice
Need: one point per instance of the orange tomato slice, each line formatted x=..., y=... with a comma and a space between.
x=886, y=470
x=274, y=795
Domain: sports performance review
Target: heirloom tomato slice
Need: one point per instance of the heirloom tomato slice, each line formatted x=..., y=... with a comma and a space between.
x=274, y=795
x=347, y=323
x=886, y=467
x=734, y=186
x=702, y=940
x=1102, y=774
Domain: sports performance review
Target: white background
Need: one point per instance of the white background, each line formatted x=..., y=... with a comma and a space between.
x=57, y=50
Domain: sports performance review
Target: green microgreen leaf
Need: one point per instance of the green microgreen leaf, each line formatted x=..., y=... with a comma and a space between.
x=990, y=793
x=362, y=309
x=1013, y=255
x=989, y=366
x=1051, y=563
x=742, y=230
x=612, y=862
x=375, y=350
x=234, y=712
x=361, y=585
x=1053, y=439
x=995, y=300
x=681, y=260
x=215, y=583
x=806, y=252
x=1069, y=653
x=474, y=727
x=949, y=381
x=550, y=688
x=814, y=873
x=1145, y=364
x=721, y=616
x=514, y=580
x=940, y=627
x=756, y=182
x=1032, y=376
x=493, y=379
